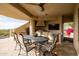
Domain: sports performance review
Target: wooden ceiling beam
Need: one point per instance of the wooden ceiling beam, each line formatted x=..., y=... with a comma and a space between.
x=22, y=9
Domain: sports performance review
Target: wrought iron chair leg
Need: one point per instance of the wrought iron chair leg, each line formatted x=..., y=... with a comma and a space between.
x=26, y=52
x=19, y=51
x=36, y=51
x=15, y=46
x=39, y=49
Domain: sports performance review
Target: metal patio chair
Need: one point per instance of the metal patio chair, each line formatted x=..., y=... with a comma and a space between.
x=25, y=45
x=15, y=39
x=48, y=47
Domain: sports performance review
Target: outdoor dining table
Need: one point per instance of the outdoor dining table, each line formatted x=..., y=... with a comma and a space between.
x=38, y=41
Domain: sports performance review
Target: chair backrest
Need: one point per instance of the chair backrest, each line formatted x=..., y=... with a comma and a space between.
x=16, y=37
x=22, y=41
x=45, y=34
x=54, y=41
x=50, y=46
x=39, y=32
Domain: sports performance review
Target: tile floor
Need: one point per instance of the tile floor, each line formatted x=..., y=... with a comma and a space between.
x=7, y=49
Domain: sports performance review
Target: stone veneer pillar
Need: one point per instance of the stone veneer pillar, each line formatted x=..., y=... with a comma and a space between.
x=32, y=27
x=61, y=29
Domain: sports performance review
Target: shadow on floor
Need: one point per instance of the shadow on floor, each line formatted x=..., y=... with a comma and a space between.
x=66, y=49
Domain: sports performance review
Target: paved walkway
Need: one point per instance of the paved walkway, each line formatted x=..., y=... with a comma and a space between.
x=7, y=48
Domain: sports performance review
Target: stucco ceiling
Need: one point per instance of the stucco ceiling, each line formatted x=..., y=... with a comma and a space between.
x=8, y=10
x=52, y=9
x=27, y=11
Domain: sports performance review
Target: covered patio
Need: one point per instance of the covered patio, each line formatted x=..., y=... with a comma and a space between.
x=45, y=19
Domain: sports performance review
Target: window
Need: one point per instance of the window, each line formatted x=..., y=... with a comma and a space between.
x=68, y=29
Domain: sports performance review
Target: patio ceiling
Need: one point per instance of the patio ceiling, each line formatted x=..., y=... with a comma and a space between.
x=50, y=9
x=27, y=10
x=10, y=11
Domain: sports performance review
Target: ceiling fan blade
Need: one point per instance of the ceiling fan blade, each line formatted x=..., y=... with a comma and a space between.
x=42, y=6
x=39, y=4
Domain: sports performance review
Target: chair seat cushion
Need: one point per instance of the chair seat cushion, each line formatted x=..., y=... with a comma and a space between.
x=46, y=47
x=30, y=47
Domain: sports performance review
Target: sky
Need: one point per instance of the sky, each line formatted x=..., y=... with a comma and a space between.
x=10, y=23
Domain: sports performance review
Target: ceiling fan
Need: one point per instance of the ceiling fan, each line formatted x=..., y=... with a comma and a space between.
x=40, y=4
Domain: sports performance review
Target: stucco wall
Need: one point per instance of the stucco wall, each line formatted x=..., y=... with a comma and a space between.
x=76, y=34
x=52, y=20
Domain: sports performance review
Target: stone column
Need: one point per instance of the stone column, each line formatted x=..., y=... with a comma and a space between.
x=61, y=29
x=32, y=27
x=10, y=33
x=76, y=43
